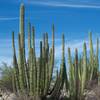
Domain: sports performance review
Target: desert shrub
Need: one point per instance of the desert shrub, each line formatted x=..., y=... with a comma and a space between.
x=6, y=73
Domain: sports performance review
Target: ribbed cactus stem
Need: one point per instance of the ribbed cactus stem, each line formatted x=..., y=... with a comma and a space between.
x=52, y=56
x=13, y=43
x=80, y=67
x=22, y=44
x=31, y=72
x=20, y=65
x=91, y=46
x=97, y=59
x=22, y=26
x=65, y=78
x=97, y=50
x=33, y=39
x=71, y=75
x=63, y=55
x=29, y=35
x=53, y=41
x=63, y=48
x=41, y=69
x=40, y=73
x=76, y=75
x=46, y=79
x=34, y=59
x=84, y=72
x=46, y=48
x=16, y=70
x=38, y=77
x=91, y=56
x=29, y=47
x=44, y=38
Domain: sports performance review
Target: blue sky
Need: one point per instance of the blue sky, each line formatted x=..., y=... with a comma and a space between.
x=74, y=18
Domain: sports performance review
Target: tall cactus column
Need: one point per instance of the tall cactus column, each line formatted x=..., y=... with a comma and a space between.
x=29, y=35
x=91, y=56
x=64, y=75
x=20, y=66
x=22, y=59
x=97, y=59
x=52, y=56
x=15, y=64
x=71, y=76
x=21, y=26
x=76, y=75
x=84, y=72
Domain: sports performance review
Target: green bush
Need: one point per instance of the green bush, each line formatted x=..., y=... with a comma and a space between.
x=6, y=73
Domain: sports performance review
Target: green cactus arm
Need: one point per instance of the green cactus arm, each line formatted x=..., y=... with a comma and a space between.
x=52, y=53
x=76, y=75
x=71, y=74
x=15, y=64
x=84, y=72
x=29, y=35
x=91, y=56
x=20, y=65
x=31, y=72
x=97, y=59
x=22, y=36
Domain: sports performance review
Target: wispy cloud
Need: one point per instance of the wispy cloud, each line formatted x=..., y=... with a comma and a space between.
x=6, y=56
x=70, y=5
x=8, y=18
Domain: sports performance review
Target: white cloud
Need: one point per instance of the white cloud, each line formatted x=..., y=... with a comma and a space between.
x=73, y=45
x=8, y=18
x=6, y=48
x=5, y=59
x=65, y=4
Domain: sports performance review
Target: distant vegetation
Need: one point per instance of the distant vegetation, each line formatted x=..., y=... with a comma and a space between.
x=6, y=74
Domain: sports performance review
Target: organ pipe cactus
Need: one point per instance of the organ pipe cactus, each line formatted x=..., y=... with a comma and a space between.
x=71, y=76
x=96, y=64
x=84, y=71
x=64, y=71
x=15, y=64
x=91, y=56
x=34, y=74
x=31, y=72
x=29, y=35
x=97, y=59
x=22, y=11
x=76, y=75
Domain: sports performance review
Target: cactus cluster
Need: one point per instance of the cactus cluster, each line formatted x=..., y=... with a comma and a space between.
x=83, y=70
x=34, y=74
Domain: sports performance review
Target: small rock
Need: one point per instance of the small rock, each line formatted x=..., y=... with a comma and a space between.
x=12, y=97
x=93, y=94
x=1, y=98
